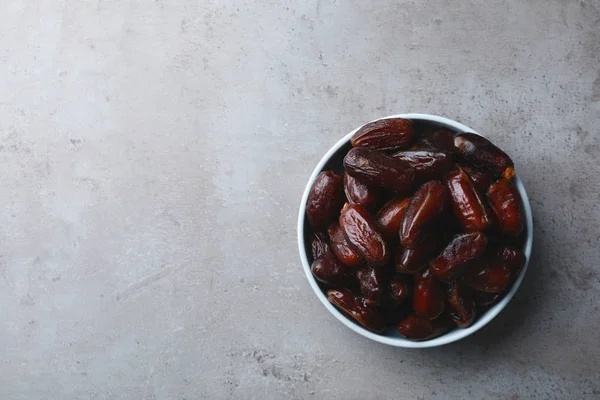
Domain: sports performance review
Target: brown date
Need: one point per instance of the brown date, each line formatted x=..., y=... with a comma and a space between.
x=428, y=165
x=319, y=245
x=428, y=296
x=331, y=271
x=413, y=261
x=359, y=193
x=357, y=308
x=325, y=199
x=428, y=202
x=481, y=179
x=440, y=140
x=491, y=275
x=342, y=249
x=378, y=169
x=507, y=206
x=513, y=256
x=457, y=255
x=361, y=231
x=385, y=134
x=372, y=284
x=419, y=328
x=400, y=289
x=389, y=217
x=483, y=299
x=468, y=206
x=461, y=304
x=481, y=153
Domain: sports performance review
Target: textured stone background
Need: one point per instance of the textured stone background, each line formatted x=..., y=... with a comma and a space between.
x=153, y=157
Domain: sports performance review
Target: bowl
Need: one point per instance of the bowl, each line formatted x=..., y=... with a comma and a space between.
x=333, y=160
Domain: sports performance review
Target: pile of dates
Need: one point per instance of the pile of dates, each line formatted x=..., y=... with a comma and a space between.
x=421, y=232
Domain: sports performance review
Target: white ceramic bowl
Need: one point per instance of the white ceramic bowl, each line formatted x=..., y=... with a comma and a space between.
x=333, y=160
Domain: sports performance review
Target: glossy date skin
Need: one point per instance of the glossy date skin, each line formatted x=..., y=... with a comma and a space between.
x=428, y=165
x=428, y=296
x=479, y=152
x=513, y=256
x=458, y=255
x=420, y=328
x=492, y=275
x=506, y=205
x=389, y=217
x=359, y=193
x=342, y=249
x=357, y=308
x=428, y=202
x=330, y=271
x=461, y=304
x=414, y=261
x=325, y=200
x=378, y=169
x=385, y=134
x=467, y=204
x=481, y=179
x=362, y=233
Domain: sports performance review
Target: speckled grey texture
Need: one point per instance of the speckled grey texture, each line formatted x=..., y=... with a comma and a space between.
x=153, y=157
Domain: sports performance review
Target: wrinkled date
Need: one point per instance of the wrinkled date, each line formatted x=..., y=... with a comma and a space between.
x=420, y=328
x=428, y=165
x=385, y=134
x=428, y=202
x=361, y=231
x=389, y=218
x=481, y=153
x=325, y=199
x=461, y=304
x=457, y=255
x=431, y=233
x=377, y=169
x=506, y=205
x=357, y=308
x=468, y=206
x=428, y=296
x=331, y=271
x=372, y=286
x=319, y=245
x=359, y=193
x=342, y=249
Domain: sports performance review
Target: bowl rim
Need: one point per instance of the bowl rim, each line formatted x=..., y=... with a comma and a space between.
x=454, y=335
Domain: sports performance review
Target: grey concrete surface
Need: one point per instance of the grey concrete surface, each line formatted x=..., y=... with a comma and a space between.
x=153, y=157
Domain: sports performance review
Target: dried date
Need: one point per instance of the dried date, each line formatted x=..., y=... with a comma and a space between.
x=325, y=200
x=428, y=202
x=385, y=134
x=458, y=255
x=467, y=204
x=481, y=153
x=378, y=169
x=362, y=233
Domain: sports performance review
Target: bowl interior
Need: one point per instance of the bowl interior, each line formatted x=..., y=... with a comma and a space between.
x=424, y=124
